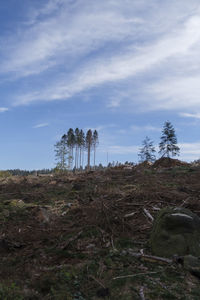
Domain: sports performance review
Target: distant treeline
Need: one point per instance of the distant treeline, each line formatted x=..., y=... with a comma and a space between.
x=31, y=172
x=15, y=172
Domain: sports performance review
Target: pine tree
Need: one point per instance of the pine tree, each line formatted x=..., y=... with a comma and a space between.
x=82, y=146
x=70, y=144
x=168, y=145
x=95, y=140
x=89, y=145
x=147, y=152
x=61, y=154
x=77, y=143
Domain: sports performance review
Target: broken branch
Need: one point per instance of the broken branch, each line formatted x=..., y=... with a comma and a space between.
x=147, y=213
x=135, y=275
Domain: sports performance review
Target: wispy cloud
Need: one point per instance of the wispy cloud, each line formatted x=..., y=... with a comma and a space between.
x=101, y=127
x=116, y=149
x=189, y=115
x=120, y=67
x=145, y=128
x=177, y=93
x=41, y=125
x=70, y=33
x=190, y=151
x=81, y=46
x=48, y=8
x=3, y=109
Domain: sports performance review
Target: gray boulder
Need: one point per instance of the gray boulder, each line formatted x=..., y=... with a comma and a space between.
x=176, y=231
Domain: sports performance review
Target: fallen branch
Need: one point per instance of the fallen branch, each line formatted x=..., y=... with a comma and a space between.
x=147, y=213
x=71, y=240
x=135, y=275
x=55, y=267
x=141, y=292
x=156, y=208
x=101, y=284
x=112, y=243
x=129, y=215
x=151, y=258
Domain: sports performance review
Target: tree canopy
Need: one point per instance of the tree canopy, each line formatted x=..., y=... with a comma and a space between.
x=147, y=152
x=168, y=145
x=70, y=149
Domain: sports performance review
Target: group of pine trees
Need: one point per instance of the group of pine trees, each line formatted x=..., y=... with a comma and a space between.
x=70, y=150
x=167, y=146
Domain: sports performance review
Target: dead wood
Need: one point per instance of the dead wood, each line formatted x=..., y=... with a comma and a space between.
x=147, y=213
x=151, y=258
x=141, y=292
x=72, y=239
x=135, y=275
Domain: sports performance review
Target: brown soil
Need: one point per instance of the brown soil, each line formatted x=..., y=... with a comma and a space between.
x=71, y=235
x=167, y=162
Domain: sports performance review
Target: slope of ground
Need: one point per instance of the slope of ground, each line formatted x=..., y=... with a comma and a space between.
x=75, y=236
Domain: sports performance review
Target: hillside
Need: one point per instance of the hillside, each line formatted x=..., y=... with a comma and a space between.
x=76, y=236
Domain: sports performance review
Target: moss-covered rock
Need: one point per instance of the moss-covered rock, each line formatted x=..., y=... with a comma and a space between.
x=17, y=203
x=176, y=231
x=192, y=264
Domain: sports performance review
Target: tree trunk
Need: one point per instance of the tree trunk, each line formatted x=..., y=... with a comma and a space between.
x=94, y=156
x=89, y=156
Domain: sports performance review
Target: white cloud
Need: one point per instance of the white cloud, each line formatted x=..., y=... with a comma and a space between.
x=115, y=149
x=50, y=7
x=145, y=128
x=84, y=45
x=70, y=33
x=3, y=109
x=120, y=67
x=177, y=93
x=189, y=151
x=189, y=115
x=114, y=102
x=41, y=125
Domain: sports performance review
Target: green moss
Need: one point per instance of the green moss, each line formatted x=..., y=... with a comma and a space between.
x=125, y=243
x=196, y=293
x=91, y=232
x=10, y=292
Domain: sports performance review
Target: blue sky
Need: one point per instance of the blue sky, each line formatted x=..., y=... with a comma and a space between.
x=122, y=67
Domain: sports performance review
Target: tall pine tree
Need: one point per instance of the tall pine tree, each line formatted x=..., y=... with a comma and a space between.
x=95, y=140
x=89, y=145
x=61, y=153
x=168, y=145
x=70, y=144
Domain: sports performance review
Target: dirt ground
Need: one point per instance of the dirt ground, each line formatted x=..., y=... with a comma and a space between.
x=75, y=236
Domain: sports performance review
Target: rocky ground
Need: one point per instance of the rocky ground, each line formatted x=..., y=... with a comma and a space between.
x=86, y=236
